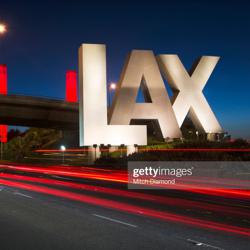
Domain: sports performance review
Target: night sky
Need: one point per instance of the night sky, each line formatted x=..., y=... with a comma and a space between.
x=43, y=40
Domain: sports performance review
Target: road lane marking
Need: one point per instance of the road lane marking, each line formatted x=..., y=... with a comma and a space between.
x=60, y=177
x=201, y=244
x=114, y=220
x=24, y=195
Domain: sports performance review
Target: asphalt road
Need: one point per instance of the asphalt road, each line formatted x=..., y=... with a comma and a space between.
x=30, y=220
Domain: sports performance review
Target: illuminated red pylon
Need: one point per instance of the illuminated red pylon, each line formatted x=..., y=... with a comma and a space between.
x=3, y=91
x=71, y=86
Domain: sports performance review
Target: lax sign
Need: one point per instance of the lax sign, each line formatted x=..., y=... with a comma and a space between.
x=142, y=68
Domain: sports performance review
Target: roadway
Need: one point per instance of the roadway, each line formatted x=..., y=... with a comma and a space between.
x=45, y=211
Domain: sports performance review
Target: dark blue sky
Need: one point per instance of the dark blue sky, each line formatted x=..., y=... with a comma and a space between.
x=44, y=37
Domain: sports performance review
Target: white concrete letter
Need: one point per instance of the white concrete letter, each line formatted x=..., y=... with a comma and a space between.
x=94, y=128
x=142, y=69
x=188, y=91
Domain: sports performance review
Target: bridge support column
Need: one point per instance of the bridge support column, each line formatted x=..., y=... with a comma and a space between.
x=3, y=91
x=71, y=86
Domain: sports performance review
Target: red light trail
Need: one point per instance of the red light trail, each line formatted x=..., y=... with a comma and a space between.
x=149, y=149
x=69, y=172
x=121, y=177
x=130, y=194
x=137, y=210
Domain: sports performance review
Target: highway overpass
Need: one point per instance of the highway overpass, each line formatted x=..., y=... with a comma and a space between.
x=38, y=112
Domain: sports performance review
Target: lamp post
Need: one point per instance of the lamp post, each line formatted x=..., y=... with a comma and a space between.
x=63, y=148
x=121, y=149
x=95, y=146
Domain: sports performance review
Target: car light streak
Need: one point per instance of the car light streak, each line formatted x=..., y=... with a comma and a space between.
x=169, y=201
x=123, y=178
x=148, y=149
x=137, y=210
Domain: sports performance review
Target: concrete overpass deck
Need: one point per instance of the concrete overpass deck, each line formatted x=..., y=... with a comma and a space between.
x=38, y=112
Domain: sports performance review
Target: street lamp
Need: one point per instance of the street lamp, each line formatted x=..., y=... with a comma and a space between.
x=197, y=134
x=111, y=87
x=3, y=28
x=63, y=148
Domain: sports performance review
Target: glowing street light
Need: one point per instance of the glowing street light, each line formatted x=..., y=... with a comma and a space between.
x=112, y=86
x=63, y=148
x=3, y=28
x=197, y=134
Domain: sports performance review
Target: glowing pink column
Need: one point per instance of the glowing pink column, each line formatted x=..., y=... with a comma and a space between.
x=3, y=91
x=71, y=86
